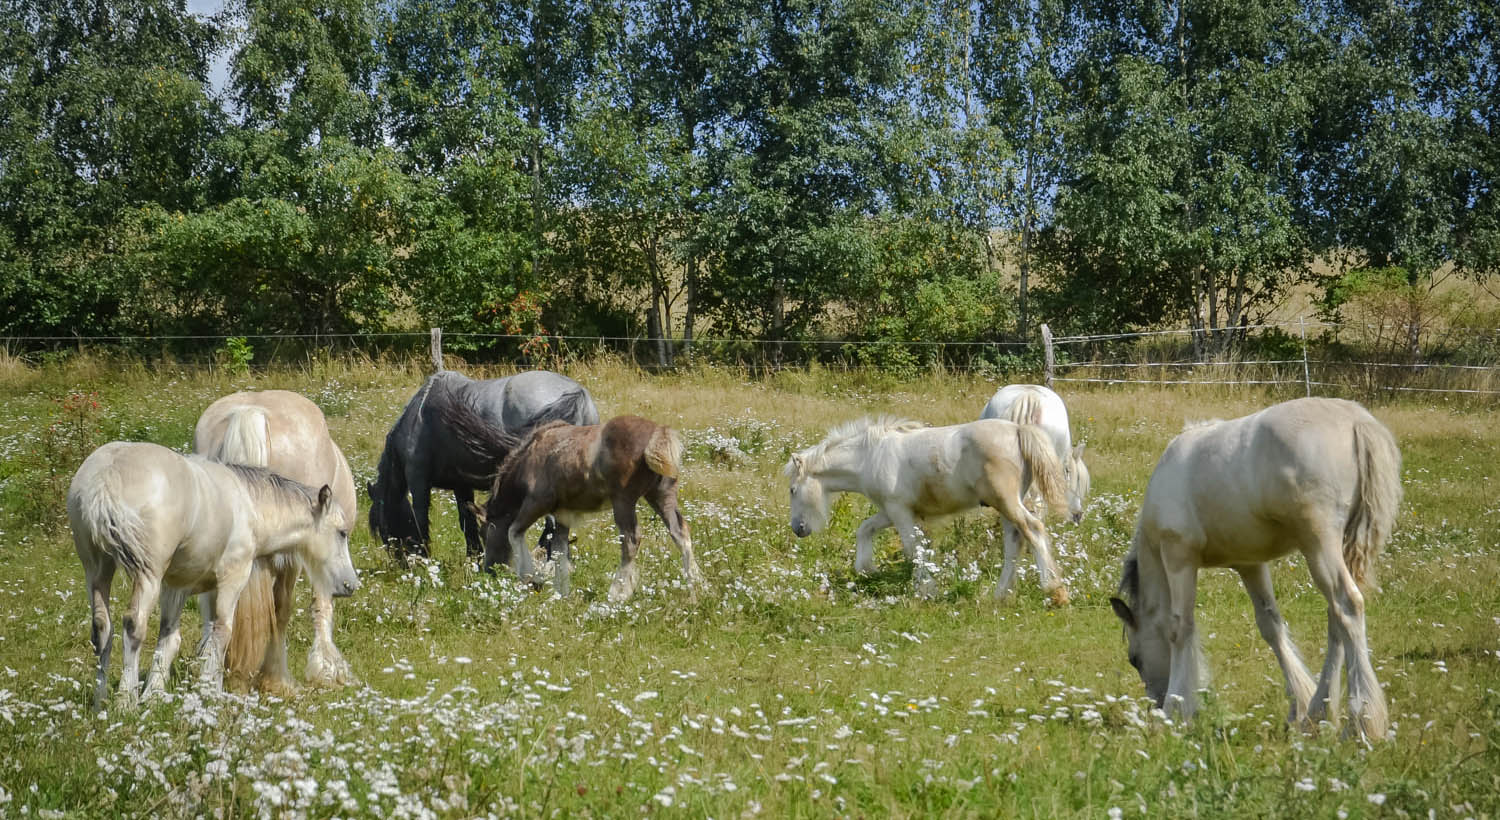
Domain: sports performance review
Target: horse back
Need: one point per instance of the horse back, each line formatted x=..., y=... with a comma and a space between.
x=299, y=447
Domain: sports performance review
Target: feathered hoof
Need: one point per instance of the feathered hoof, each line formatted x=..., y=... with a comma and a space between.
x=1059, y=596
x=282, y=688
x=329, y=671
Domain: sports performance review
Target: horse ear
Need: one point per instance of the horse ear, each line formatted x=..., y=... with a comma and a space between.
x=1122, y=611
x=325, y=495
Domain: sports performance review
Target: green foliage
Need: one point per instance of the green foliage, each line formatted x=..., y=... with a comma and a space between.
x=236, y=355
x=36, y=492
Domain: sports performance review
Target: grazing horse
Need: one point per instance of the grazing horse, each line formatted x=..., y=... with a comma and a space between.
x=1316, y=476
x=423, y=450
x=913, y=472
x=1035, y=404
x=286, y=433
x=180, y=525
x=569, y=471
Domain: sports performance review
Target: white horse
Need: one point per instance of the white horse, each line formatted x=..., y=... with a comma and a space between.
x=1035, y=404
x=181, y=524
x=913, y=472
x=1319, y=476
x=286, y=433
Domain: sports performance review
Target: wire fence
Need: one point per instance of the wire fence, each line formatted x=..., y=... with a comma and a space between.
x=1295, y=357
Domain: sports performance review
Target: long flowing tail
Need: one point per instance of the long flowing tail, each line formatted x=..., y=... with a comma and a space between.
x=664, y=452
x=1026, y=409
x=112, y=525
x=1376, y=500
x=247, y=440
x=1041, y=460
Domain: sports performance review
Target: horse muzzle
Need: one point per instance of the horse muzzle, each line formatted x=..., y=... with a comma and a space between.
x=345, y=588
x=801, y=529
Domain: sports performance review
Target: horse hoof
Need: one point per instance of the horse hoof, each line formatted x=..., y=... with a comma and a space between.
x=278, y=687
x=1060, y=596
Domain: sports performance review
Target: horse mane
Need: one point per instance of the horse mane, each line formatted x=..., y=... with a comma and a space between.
x=264, y=483
x=388, y=496
x=512, y=462
x=488, y=442
x=870, y=427
x=1130, y=581
x=1199, y=424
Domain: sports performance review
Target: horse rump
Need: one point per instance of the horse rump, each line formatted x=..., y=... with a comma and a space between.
x=663, y=453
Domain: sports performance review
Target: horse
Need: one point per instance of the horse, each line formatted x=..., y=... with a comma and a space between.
x=180, y=525
x=1315, y=475
x=287, y=433
x=569, y=471
x=422, y=450
x=1035, y=404
x=913, y=472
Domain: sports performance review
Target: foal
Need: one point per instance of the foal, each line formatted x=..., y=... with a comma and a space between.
x=568, y=471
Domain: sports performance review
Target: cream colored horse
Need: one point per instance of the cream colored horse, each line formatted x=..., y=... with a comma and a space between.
x=288, y=434
x=1316, y=476
x=913, y=472
x=186, y=524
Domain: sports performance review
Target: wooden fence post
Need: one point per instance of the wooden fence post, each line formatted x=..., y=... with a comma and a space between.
x=436, y=349
x=1306, y=376
x=1048, y=360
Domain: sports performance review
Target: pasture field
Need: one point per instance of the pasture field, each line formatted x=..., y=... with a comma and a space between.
x=792, y=689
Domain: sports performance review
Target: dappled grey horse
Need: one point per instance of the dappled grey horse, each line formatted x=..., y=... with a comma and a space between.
x=426, y=449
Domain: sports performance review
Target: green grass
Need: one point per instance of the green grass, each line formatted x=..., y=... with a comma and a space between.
x=794, y=688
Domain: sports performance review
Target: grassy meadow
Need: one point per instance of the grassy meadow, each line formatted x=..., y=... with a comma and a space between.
x=792, y=689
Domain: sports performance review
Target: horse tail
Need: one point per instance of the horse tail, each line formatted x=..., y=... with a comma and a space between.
x=1041, y=459
x=254, y=621
x=1026, y=409
x=1376, y=498
x=247, y=438
x=573, y=407
x=664, y=452
x=111, y=524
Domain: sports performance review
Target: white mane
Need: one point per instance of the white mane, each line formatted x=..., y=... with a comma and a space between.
x=871, y=428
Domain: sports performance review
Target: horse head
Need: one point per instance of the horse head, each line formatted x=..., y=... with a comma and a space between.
x=1076, y=473
x=809, y=503
x=1147, y=647
x=325, y=555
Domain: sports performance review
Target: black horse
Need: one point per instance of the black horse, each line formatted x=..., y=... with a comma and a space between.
x=453, y=435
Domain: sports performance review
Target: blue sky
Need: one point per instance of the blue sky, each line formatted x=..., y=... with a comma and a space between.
x=218, y=73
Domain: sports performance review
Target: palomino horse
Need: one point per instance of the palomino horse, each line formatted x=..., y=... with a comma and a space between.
x=1035, y=404
x=423, y=451
x=286, y=433
x=913, y=472
x=569, y=471
x=1319, y=476
x=182, y=524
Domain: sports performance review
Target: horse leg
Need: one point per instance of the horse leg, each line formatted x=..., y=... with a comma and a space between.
x=1182, y=634
x=100, y=575
x=231, y=583
x=917, y=547
x=1346, y=616
x=864, y=542
x=143, y=594
x=168, y=639
x=1011, y=536
x=520, y=554
x=421, y=501
x=1034, y=533
x=1299, y=683
x=547, y=544
x=274, y=677
x=623, y=586
x=325, y=664
x=467, y=522
x=665, y=504
x=1330, y=684
x=560, y=552
x=206, y=615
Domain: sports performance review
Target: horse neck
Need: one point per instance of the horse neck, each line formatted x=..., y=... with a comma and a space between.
x=280, y=525
x=842, y=468
x=1152, y=597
